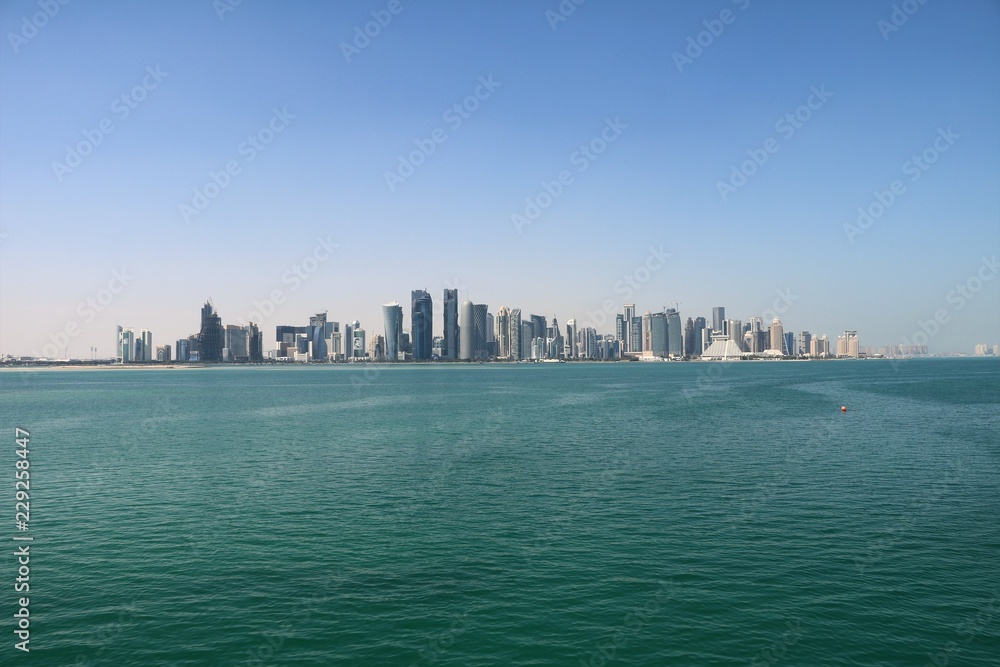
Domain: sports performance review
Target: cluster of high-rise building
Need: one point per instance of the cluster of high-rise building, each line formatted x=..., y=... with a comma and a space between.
x=217, y=343
x=984, y=350
x=135, y=346
x=470, y=332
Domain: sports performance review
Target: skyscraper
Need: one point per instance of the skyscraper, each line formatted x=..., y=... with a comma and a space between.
x=237, y=344
x=658, y=334
x=635, y=332
x=491, y=335
x=647, y=333
x=317, y=337
x=757, y=335
x=358, y=347
x=847, y=345
x=571, y=342
x=480, y=327
x=675, y=335
x=421, y=324
x=689, y=344
x=331, y=339
x=718, y=318
x=503, y=332
x=777, y=337
x=146, y=352
x=538, y=326
x=393, y=315
x=256, y=342
x=125, y=349
x=515, y=329
x=467, y=334
x=805, y=343
x=734, y=329
x=211, y=338
x=627, y=318
x=820, y=347
x=527, y=338
x=555, y=348
x=699, y=325
x=449, y=348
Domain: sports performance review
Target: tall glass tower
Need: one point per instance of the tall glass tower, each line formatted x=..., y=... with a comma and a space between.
x=421, y=324
x=675, y=337
x=393, y=314
x=699, y=327
x=449, y=347
x=480, y=324
x=211, y=338
x=627, y=335
x=317, y=336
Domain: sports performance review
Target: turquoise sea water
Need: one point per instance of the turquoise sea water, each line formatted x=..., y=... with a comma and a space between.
x=551, y=514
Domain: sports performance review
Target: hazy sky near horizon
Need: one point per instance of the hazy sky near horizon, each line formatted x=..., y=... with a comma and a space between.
x=746, y=159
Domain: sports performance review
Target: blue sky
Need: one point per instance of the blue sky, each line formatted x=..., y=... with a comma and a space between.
x=345, y=121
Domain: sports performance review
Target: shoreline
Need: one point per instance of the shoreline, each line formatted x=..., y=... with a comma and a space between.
x=62, y=366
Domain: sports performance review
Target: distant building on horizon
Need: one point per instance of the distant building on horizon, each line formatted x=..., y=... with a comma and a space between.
x=125, y=349
x=777, y=342
x=734, y=331
x=421, y=324
x=255, y=342
x=847, y=345
x=467, y=333
x=318, y=338
x=635, y=335
x=237, y=344
x=502, y=334
x=572, y=351
x=658, y=335
x=480, y=322
x=211, y=338
x=144, y=346
x=675, y=334
x=393, y=316
x=181, y=350
x=132, y=347
x=358, y=343
x=700, y=327
x=628, y=316
x=449, y=344
x=718, y=318
x=805, y=343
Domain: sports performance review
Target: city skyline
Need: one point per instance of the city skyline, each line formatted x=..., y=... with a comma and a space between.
x=502, y=335
x=691, y=159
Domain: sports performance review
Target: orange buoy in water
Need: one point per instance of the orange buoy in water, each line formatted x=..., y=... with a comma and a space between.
x=843, y=408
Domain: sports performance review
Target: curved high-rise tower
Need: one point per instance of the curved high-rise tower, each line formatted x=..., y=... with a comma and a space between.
x=393, y=314
x=467, y=331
